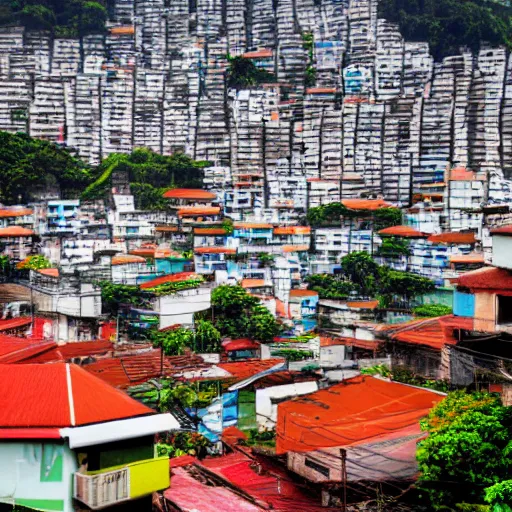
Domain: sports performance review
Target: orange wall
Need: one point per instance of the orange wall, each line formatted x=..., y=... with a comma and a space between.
x=485, y=312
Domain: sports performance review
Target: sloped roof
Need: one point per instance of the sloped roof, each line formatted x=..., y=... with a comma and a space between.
x=403, y=231
x=503, y=230
x=127, y=259
x=171, y=278
x=453, y=238
x=69, y=351
x=241, y=370
x=14, y=349
x=293, y=230
x=303, y=293
x=467, y=258
x=60, y=395
x=253, y=283
x=210, y=231
x=258, y=54
x=431, y=332
x=15, y=323
x=189, y=193
x=16, y=231
x=198, y=210
x=240, y=344
x=295, y=248
x=358, y=411
x=487, y=278
x=214, y=250
x=365, y=204
x=14, y=212
x=50, y=272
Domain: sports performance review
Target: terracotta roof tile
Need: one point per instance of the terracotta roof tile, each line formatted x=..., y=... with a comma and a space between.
x=253, y=283
x=127, y=259
x=198, y=210
x=403, y=231
x=189, y=193
x=240, y=344
x=292, y=230
x=210, y=231
x=214, y=250
x=14, y=212
x=303, y=293
x=453, y=238
x=487, y=278
x=365, y=204
x=295, y=248
x=258, y=54
x=15, y=231
x=171, y=278
x=252, y=225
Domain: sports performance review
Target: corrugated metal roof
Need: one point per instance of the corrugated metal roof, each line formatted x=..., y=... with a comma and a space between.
x=171, y=278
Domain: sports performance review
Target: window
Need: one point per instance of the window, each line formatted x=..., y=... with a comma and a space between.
x=504, y=310
x=319, y=468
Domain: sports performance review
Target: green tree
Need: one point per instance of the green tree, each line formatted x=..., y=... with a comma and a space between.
x=243, y=73
x=207, y=337
x=27, y=164
x=329, y=286
x=112, y=295
x=468, y=448
x=432, y=310
x=92, y=19
x=499, y=496
x=362, y=270
x=386, y=218
x=37, y=17
x=36, y=262
x=393, y=247
x=403, y=285
x=239, y=315
x=173, y=341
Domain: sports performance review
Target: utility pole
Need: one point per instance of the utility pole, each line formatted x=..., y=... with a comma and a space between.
x=343, y=454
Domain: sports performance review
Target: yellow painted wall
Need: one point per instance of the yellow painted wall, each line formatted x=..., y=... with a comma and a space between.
x=149, y=476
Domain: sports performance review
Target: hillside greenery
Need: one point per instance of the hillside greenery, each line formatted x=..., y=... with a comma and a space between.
x=242, y=73
x=449, y=24
x=70, y=18
x=149, y=175
x=28, y=164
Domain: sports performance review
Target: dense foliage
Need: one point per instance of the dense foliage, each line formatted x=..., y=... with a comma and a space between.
x=35, y=262
x=28, y=164
x=329, y=286
x=308, y=43
x=467, y=450
x=207, y=338
x=243, y=73
x=499, y=496
x=64, y=18
x=149, y=175
x=432, y=310
x=173, y=341
x=240, y=315
x=176, y=444
x=392, y=247
x=449, y=24
x=331, y=214
x=113, y=295
x=362, y=275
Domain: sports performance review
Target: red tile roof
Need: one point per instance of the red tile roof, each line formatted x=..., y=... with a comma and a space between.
x=189, y=193
x=214, y=250
x=198, y=210
x=49, y=395
x=321, y=90
x=14, y=323
x=171, y=278
x=70, y=351
x=363, y=304
x=467, y=258
x=487, y=278
x=210, y=231
x=303, y=293
x=244, y=369
x=15, y=231
x=126, y=371
x=359, y=411
x=258, y=54
x=503, y=230
x=50, y=272
x=365, y=204
x=431, y=332
x=252, y=225
x=127, y=259
x=253, y=283
x=14, y=212
x=13, y=349
x=240, y=344
x=453, y=238
x=293, y=230
x=404, y=231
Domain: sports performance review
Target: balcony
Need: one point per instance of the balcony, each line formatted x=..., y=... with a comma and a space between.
x=99, y=489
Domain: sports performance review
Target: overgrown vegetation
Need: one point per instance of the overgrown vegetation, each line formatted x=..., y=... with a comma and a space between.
x=449, y=24
x=332, y=213
x=308, y=43
x=64, y=18
x=149, y=175
x=293, y=354
x=240, y=315
x=432, y=310
x=361, y=274
x=242, y=73
x=499, y=497
x=176, y=444
x=265, y=438
x=113, y=295
x=467, y=450
x=35, y=262
x=393, y=247
x=28, y=165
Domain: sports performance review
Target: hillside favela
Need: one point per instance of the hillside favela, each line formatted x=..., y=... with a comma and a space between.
x=256, y=255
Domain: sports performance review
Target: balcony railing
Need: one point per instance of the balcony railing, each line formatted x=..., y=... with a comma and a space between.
x=98, y=491
x=105, y=488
